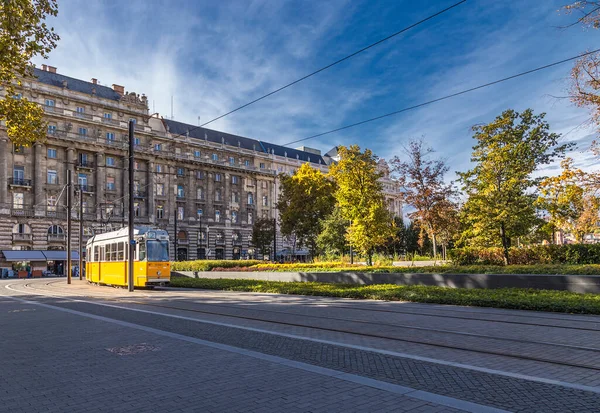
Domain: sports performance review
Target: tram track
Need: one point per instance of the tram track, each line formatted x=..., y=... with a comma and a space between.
x=380, y=336
x=510, y=354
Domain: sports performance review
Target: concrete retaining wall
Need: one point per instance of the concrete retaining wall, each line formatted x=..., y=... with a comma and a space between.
x=575, y=283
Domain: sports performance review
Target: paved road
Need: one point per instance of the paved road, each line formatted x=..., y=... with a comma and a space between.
x=221, y=351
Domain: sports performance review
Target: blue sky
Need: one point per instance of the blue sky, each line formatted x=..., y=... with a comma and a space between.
x=213, y=56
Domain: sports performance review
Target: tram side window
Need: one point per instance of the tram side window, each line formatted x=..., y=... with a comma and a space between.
x=142, y=251
x=120, y=251
x=113, y=252
x=96, y=253
x=107, y=256
x=102, y=253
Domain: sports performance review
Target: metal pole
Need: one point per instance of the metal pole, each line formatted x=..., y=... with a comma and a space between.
x=69, y=206
x=131, y=209
x=175, y=232
x=351, y=253
x=80, y=232
x=274, y=240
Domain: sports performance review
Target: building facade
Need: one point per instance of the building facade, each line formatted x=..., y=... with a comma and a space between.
x=207, y=188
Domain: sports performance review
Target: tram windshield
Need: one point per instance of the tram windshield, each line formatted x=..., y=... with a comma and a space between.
x=157, y=250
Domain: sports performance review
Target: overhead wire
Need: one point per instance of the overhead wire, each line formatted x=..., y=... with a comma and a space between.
x=405, y=29
x=444, y=97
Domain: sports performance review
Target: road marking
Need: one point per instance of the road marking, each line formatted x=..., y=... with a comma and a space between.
x=576, y=386
x=389, y=387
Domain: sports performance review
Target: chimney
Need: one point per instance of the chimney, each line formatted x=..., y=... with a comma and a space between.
x=94, y=81
x=119, y=89
x=44, y=68
x=51, y=69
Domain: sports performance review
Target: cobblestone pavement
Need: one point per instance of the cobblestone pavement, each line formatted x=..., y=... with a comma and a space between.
x=480, y=387
x=58, y=362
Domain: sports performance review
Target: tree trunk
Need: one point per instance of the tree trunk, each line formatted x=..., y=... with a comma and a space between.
x=433, y=241
x=504, y=243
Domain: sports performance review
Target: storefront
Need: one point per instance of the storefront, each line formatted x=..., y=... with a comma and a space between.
x=33, y=263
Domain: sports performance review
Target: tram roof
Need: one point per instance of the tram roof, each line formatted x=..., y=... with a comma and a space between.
x=124, y=232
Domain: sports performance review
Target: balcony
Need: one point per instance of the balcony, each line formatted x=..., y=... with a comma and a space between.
x=56, y=237
x=19, y=182
x=86, y=189
x=83, y=115
x=111, y=121
x=180, y=197
x=139, y=194
x=54, y=213
x=84, y=164
x=51, y=109
x=183, y=241
x=22, y=237
x=17, y=211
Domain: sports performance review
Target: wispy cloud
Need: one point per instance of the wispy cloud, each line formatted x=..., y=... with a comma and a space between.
x=214, y=56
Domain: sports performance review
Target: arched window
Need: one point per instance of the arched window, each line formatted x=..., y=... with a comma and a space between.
x=55, y=230
x=21, y=229
x=182, y=235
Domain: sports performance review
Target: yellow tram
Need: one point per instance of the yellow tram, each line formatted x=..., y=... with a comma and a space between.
x=107, y=258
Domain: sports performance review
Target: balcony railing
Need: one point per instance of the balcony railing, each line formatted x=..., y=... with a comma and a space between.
x=22, y=212
x=22, y=237
x=55, y=213
x=139, y=194
x=56, y=237
x=85, y=188
x=183, y=241
x=111, y=121
x=83, y=115
x=84, y=164
x=26, y=183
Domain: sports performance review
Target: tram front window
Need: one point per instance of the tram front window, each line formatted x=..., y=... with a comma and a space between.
x=157, y=250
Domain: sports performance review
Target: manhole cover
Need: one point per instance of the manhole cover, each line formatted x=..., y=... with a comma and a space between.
x=133, y=349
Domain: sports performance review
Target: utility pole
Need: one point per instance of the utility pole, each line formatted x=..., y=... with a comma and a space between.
x=351, y=252
x=69, y=206
x=80, y=232
x=175, y=231
x=274, y=239
x=131, y=209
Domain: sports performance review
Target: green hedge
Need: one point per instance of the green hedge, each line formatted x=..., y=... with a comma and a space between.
x=575, y=254
x=208, y=265
x=514, y=298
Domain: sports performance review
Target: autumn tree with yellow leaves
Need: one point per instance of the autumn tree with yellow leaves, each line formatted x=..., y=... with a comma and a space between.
x=24, y=34
x=306, y=199
x=359, y=196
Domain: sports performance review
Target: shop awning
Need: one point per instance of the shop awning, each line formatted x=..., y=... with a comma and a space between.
x=59, y=255
x=11, y=255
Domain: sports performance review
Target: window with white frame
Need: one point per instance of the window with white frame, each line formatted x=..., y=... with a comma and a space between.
x=180, y=213
x=160, y=189
x=110, y=137
x=250, y=218
x=52, y=153
x=51, y=202
x=199, y=174
x=200, y=194
x=217, y=177
x=51, y=129
x=110, y=161
x=234, y=179
x=52, y=177
x=160, y=212
x=250, y=198
x=217, y=215
x=265, y=201
x=234, y=217
x=215, y=157
x=18, y=200
x=231, y=160
x=218, y=195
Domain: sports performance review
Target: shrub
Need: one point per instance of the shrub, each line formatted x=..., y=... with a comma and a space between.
x=574, y=254
x=208, y=265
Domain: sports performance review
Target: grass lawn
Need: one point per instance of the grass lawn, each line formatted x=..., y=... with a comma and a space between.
x=513, y=298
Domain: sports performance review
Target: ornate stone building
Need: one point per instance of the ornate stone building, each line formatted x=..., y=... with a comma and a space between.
x=214, y=184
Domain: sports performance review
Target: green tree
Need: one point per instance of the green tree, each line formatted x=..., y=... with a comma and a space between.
x=425, y=188
x=500, y=205
x=23, y=35
x=263, y=232
x=360, y=198
x=332, y=239
x=306, y=199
